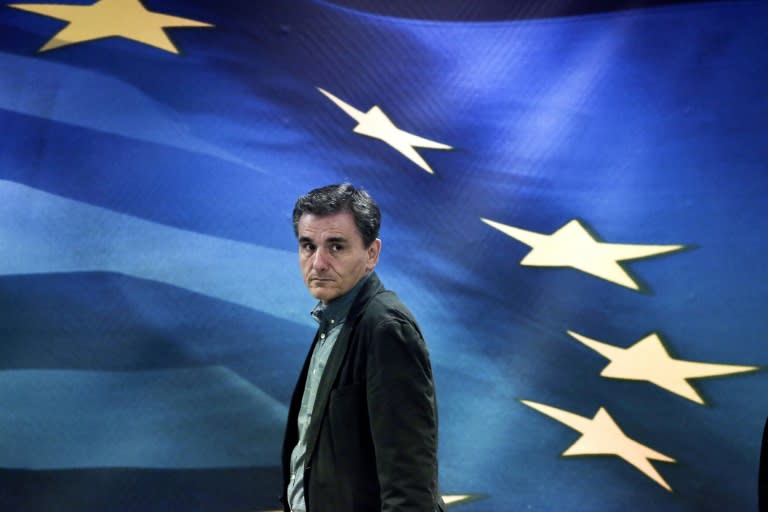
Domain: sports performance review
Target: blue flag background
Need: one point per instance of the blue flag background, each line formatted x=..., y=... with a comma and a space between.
x=152, y=316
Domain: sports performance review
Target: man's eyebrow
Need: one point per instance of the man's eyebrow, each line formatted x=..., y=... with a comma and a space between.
x=330, y=240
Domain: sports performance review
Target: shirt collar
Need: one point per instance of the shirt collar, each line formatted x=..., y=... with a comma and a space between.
x=335, y=312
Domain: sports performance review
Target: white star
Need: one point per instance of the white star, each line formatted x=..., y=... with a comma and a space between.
x=648, y=360
x=573, y=246
x=110, y=18
x=602, y=436
x=376, y=124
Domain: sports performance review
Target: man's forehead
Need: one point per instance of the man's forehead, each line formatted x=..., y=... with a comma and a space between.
x=337, y=225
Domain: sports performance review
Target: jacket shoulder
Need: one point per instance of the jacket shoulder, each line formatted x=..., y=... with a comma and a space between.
x=386, y=305
x=383, y=308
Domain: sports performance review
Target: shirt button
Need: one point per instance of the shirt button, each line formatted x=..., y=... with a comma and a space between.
x=322, y=336
x=333, y=321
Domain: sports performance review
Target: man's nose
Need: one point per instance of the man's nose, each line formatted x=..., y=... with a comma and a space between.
x=320, y=259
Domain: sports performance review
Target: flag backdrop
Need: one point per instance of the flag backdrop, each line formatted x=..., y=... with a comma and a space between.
x=574, y=203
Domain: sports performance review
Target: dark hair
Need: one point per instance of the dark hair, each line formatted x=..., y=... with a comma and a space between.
x=341, y=198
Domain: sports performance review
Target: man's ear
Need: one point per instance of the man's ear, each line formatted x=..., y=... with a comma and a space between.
x=373, y=254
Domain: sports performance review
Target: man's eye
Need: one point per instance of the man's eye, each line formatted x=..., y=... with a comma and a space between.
x=307, y=247
x=337, y=247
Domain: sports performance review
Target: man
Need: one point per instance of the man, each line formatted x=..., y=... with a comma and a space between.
x=362, y=424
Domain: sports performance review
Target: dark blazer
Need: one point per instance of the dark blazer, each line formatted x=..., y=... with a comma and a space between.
x=372, y=441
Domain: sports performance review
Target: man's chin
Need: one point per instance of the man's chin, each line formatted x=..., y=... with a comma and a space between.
x=323, y=293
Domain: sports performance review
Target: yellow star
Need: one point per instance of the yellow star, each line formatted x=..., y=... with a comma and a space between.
x=648, y=360
x=573, y=246
x=602, y=436
x=110, y=18
x=458, y=499
x=377, y=125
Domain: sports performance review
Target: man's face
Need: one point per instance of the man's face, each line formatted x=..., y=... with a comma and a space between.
x=332, y=255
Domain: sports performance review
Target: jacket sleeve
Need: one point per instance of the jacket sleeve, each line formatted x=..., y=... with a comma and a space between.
x=403, y=417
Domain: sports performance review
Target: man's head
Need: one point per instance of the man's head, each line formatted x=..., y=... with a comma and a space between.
x=337, y=227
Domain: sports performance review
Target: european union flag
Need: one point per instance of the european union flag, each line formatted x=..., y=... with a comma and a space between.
x=574, y=202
